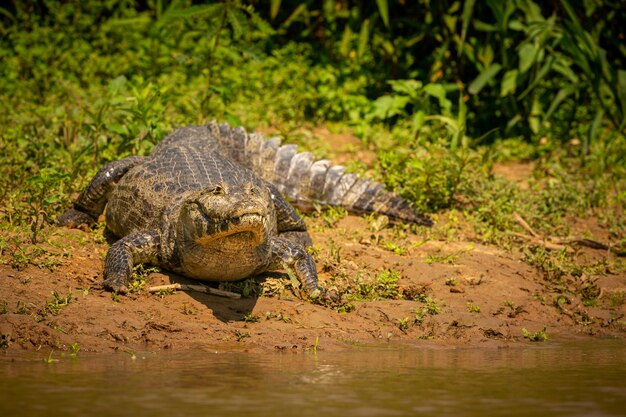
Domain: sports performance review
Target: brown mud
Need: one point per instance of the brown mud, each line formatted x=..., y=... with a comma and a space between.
x=452, y=291
x=485, y=296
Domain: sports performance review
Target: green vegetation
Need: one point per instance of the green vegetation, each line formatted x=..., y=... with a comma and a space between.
x=538, y=336
x=473, y=308
x=440, y=92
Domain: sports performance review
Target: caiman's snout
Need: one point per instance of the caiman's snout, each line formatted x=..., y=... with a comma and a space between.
x=219, y=212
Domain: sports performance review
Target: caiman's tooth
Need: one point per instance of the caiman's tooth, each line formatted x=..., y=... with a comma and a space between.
x=298, y=175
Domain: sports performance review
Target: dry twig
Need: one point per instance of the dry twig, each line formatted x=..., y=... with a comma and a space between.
x=196, y=288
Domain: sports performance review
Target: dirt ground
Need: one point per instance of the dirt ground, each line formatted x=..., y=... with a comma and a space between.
x=494, y=297
x=454, y=291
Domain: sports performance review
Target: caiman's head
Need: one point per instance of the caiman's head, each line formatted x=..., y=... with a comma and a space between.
x=228, y=214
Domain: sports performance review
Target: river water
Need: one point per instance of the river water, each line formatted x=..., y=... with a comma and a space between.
x=549, y=379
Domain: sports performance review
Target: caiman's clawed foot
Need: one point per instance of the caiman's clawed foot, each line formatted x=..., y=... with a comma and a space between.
x=75, y=219
x=115, y=285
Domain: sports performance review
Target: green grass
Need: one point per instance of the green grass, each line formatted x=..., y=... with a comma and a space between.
x=538, y=336
x=86, y=83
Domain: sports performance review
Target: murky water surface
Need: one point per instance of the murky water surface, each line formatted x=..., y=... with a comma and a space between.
x=551, y=379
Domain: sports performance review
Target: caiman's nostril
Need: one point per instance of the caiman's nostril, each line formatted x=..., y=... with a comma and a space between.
x=216, y=190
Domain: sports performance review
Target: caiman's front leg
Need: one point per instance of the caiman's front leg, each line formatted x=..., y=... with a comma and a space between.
x=287, y=254
x=91, y=202
x=290, y=225
x=138, y=247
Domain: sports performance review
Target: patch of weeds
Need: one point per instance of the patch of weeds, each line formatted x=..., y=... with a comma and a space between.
x=188, y=311
x=22, y=308
x=139, y=277
x=404, y=324
x=430, y=308
x=452, y=282
x=559, y=301
x=161, y=293
x=5, y=340
x=316, y=345
x=250, y=287
x=546, y=262
x=241, y=335
x=333, y=260
x=55, y=305
x=332, y=214
x=513, y=310
x=415, y=292
x=472, y=308
x=20, y=253
x=74, y=348
x=451, y=258
x=392, y=247
x=377, y=222
x=617, y=298
x=589, y=291
x=251, y=318
x=347, y=307
x=538, y=336
x=50, y=359
x=387, y=283
x=4, y=307
x=277, y=316
x=368, y=286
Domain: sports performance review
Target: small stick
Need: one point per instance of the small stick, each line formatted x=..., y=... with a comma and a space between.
x=525, y=225
x=196, y=288
x=544, y=243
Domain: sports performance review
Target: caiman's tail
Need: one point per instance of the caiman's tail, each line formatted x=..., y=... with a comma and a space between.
x=306, y=181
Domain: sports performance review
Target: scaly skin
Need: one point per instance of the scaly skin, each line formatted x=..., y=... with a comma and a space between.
x=207, y=203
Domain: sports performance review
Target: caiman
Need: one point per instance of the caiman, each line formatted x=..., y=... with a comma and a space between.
x=213, y=203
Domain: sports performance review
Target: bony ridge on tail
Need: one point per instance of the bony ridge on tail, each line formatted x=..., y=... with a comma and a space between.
x=210, y=203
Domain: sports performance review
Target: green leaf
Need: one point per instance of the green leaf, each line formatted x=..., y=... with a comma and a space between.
x=407, y=87
x=466, y=17
x=389, y=106
x=439, y=92
x=562, y=66
x=116, y=84
x=527, y=54
x=383, y=8
x=558, y=99
x=238, y=22
x=364, y=35
x=344, y=44
x=484, y=27
x=576, y=27
x=509, y=83
x=274, y=8
x=483, y=78
x=300, y=10
x=621, y=91
x=593, y=130
x=540, y=74
x=534, y=117
x=208, y=10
